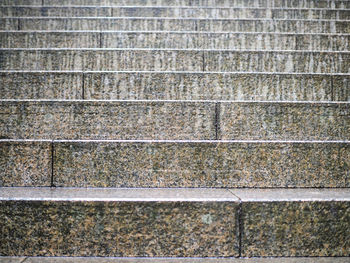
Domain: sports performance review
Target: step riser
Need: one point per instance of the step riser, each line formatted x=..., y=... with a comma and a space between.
x=174, y=24
x=174, y=86
x=104, y=120
x=175, y=60
x=175, y=120
x=174, y=40
x=167, y=164
x=174, y=12
x=214, y=3
x=119, y=229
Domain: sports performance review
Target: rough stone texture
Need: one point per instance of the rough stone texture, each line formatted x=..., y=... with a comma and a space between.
x=41, y=85
x=173, y=24
x=216, y=86
x=25, y=163
x=8, y=24
x=184, y=260
x=182, y=12
x=50, y=40
x=154, y=60
x=342, y=86
x=296, y=229
x=201, y=164
x=277, y=61
x=181, y=229
x=107, y=120
x=284, y=121
x=213, y=3
x=12, y=259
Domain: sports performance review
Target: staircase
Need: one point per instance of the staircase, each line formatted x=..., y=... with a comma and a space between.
x=175, y=131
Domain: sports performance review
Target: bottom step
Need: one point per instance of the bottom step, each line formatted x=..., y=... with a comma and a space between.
x=174, y=222
x=168, y=260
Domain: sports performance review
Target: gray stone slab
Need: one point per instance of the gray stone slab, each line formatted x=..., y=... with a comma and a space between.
x=107, y=120
x=12, y=259
x=176, y=24
x=50, y=40
x=41, y=85
x=25, y=163
x=308, y=228
x=216, y=86
x=213, y=3
x=284, y=121
x=61, y=59
x=277, y=61
x=201, y=164
x=21, y=2
x=188, y=260
x=184, y=12
x=8, y=24
x=157, y=227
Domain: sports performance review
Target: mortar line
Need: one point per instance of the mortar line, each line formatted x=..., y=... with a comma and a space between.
x=52, y=163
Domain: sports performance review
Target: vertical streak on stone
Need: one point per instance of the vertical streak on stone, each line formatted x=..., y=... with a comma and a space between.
x=52, y=163
x=100, y=39
x=83, y=86
x=43, y=2
x=332, y=89
x=18, y=24
x=196, y=25
x=240, y=228
x=203, y=61
x=217, y=121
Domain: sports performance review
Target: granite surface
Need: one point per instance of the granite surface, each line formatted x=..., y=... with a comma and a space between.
x=277, y=61
x=107, y=120
x=296, y=229
x=168, y=24
x=284, y=121
x=182, y=12
x=181, y=229
x=212, y=3
x=25, y=163
x=183, y=260
x=216, y=86
x=41, y=85
x=50, y=39
x=201, y=164
x=13, y=259
x=8, y=24
x=154, y=60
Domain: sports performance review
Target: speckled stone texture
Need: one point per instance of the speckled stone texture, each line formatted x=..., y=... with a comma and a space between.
x=13, y=259
x=175, y=24
x=63, y=59
x=296, y=229
x=41, y=85
x=8, y=24
x=181, y=229
x=182, y=12
x=212, y=3
x=216, y=86
x=277, y=61
x=107, y=120
x=201, y=164
x=50, y=40
x=25, y=163
x=284, y=121
x=180, y=260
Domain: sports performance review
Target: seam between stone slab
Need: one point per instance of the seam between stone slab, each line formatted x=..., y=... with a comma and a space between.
x=176, y=7
x=178, y=72
x=172, y=18
x=176, y=49
x=172, y=32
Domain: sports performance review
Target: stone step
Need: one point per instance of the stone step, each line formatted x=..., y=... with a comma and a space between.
x=174, y=222
x=175, y=40
x=174, y=86
x=174, y=120
x=175, y=12
x=213, y=3
x=197, y=60
x=167, y=24
x=220, y=164
x=172, y=260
